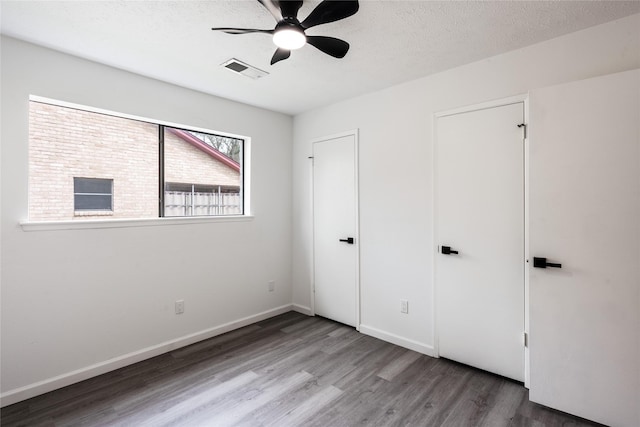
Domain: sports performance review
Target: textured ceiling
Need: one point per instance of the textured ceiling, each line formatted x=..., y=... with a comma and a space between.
x=391, y=41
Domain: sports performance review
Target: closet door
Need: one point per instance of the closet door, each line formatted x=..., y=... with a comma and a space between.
x=335, y=227
x=585, y=220
x=480, y=231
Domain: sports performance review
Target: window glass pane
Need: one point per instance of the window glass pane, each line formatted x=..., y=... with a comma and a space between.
x=91, y=185
x=203, y=174
x=66, y=143
x=92, y=202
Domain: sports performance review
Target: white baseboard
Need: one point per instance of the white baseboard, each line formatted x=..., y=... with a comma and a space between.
x=41, y=387
x=398, y=340
x=302, y=309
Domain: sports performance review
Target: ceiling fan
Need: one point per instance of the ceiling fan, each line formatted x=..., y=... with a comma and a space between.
x=289, y=33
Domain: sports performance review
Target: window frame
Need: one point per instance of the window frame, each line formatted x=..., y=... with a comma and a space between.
x=92, y=211
x=245, y=171
x=162, y=167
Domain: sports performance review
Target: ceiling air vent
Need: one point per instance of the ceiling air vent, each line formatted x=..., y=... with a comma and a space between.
x=244, y=69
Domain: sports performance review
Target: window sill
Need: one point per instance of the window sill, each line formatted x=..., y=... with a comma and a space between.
x=126, y=223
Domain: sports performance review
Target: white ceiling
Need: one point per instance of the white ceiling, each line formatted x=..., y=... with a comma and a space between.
x=391, y=41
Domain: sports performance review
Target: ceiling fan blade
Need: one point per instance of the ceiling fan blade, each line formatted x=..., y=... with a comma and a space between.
x=280, y=55
x=272, y=7
x=242, y=30
x=290, y=8
x=329, y=45
x=330, y=11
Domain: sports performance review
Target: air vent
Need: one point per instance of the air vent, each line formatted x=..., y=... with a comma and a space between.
x=240, y=67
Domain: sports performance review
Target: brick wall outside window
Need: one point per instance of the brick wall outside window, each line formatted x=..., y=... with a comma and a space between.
x=184, y=163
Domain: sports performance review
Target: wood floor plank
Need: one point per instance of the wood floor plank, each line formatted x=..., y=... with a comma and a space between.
x=336, y=343
x=191, y=405
x=507, y=401
x=475, y=401
x=341, y=329
x=236, y=336
x=238, y=410
x=279, y=407
x=408, y=393
x=290, y=370
x=390, y=371
x=300, y=326
x=353, y=407
x=449, y=387
x=307, y=409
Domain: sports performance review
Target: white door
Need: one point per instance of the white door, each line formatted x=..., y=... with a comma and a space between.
x=335, y=241
x=585, y=215
x=480, y=215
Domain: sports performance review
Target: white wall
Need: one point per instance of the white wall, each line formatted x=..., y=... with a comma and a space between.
x=396, y=195
x=75, y=299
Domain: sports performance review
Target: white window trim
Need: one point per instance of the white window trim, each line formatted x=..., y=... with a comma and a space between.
x=78, y=224
x=126, y=223
x=89, y=109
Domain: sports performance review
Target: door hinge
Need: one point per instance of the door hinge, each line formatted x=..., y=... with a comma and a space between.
x=526, y=339
x=523, y=125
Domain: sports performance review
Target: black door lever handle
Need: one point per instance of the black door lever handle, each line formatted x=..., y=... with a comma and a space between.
x=348, y=240
x=446, y=250
x=539, y=262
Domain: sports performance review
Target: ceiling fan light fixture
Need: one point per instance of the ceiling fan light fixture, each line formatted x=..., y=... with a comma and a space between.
x=289, y=38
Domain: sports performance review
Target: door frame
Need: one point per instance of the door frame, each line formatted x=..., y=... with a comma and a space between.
x=355, y=133
x=521, y=98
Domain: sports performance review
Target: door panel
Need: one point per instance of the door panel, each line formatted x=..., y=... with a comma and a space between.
x=334, y=218
x=585, y=215
x=480, y=213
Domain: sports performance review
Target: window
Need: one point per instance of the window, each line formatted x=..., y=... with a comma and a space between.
x=207, y=185
x=92, y=194
x=84, y=164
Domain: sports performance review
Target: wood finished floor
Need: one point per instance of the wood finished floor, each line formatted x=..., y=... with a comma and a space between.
x=291, y=370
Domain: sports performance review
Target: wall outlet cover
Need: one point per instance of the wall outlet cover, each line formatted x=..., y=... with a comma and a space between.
x=404, y=306
x=179, y=306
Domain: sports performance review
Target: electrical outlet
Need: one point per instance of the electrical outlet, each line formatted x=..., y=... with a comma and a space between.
x=271, y=285
x=404, y=306
x=180, y=306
